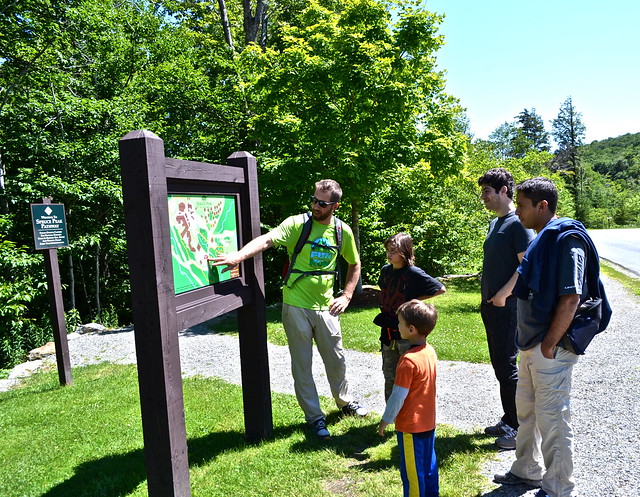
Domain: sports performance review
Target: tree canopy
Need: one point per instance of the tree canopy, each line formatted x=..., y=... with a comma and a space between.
x=347, y=89
x=313, y=88
x=616, y=158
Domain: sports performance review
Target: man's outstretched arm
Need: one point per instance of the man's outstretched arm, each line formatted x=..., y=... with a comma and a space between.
x=254, y=247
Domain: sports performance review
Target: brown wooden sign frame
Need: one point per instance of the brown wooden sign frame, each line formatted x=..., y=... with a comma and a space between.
x=158, y=314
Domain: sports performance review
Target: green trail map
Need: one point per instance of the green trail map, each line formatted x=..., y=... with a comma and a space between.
x=202, y=226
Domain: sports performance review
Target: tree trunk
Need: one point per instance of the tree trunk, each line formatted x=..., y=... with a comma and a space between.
x=98, y=281
x=355, y=227
x=224, y=19
x=253, y=24
x=72, y=283
x=85, y=292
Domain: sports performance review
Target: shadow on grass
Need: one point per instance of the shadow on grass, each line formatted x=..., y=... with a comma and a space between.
x=353, y=443
x=120, y=474
x=449, y=446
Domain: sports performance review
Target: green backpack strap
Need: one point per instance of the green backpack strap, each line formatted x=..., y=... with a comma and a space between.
x=302, y=239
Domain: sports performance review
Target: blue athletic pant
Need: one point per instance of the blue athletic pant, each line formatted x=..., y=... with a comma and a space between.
x=418, y=465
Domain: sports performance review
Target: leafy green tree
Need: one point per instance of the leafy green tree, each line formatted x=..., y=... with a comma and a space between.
x=613, y=170
x=80, y=75
x=22, y=323
x=532, y=127
x=508, y=141
x=350, y=94
x=516, y=139
x=569, y=132
x=444, y=215
x=237, y=24
x=616, y=158
x=339, y=89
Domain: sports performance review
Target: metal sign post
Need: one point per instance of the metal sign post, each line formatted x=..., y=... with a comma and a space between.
x=50, y=233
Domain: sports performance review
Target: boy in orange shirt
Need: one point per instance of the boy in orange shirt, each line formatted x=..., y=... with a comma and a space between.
x=413, y=402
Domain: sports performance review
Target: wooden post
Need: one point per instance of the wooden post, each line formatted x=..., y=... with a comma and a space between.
x=159, y=374
x=252, y=319
x=57, y=316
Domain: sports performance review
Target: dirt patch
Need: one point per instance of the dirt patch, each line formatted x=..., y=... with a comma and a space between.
x=344, y=486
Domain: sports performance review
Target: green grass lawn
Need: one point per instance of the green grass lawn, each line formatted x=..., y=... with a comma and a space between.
x=86, y=440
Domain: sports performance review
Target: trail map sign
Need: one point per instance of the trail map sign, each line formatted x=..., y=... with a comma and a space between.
x=201, y=228
x=178, y=215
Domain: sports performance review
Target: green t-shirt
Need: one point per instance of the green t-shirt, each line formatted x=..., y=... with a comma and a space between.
x=313, y=292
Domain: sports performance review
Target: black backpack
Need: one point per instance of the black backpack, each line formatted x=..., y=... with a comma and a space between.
x=304, y=238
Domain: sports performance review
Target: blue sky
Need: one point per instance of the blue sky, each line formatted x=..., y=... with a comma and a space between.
x=502, y=56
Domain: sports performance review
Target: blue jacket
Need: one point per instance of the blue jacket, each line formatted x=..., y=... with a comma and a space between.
x=538, y=268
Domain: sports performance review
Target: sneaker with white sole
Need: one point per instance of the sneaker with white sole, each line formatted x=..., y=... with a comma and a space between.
x=354, y=409
x=319, y=427
x=510, y=479
x=508, y=440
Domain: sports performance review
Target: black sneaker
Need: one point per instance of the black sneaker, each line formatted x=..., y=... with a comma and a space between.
x=510, y=479
x=354, y=409
x=508, y=439
x=319, y=427
x=496, y=430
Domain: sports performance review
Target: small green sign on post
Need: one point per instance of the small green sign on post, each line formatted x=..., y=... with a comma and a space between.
x=50, y=233
x=49, y=226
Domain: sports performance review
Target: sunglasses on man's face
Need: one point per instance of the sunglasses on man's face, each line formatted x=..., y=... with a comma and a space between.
x=321, y=203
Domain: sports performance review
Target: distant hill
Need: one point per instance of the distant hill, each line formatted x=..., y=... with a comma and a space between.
x=617, y=158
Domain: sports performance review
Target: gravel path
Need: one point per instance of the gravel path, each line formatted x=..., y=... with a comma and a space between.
x=606, y=387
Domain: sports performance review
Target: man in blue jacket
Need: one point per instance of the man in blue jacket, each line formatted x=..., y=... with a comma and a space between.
x=552, y=283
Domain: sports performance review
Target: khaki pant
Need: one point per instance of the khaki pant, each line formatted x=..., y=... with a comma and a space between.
x=390, y=357
x=303, y=327
x=544, y=414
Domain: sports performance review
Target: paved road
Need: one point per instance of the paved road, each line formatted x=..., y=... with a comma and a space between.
x=621, y=246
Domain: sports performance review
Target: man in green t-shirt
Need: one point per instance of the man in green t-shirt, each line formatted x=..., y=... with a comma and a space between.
x=309, y=311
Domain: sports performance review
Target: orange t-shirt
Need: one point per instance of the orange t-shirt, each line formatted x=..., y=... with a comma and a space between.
x=416, y=371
